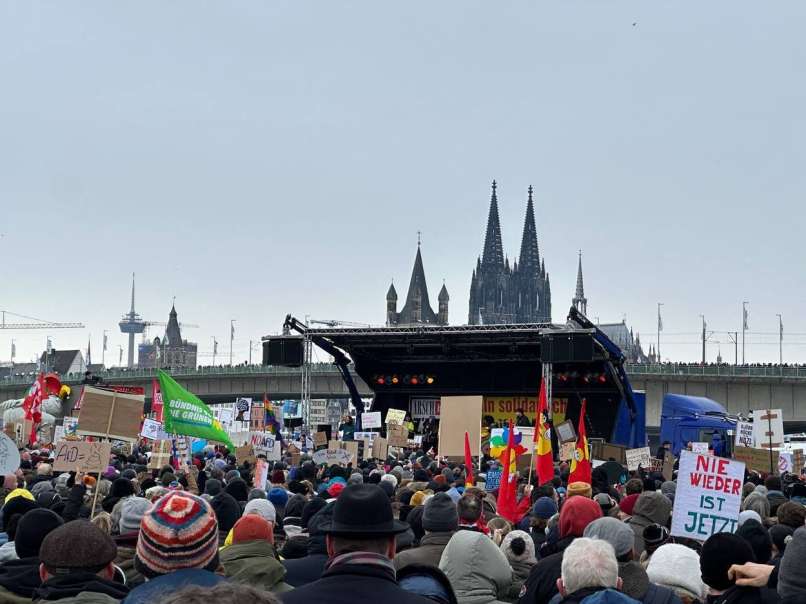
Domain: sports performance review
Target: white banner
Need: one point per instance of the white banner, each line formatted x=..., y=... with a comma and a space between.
x=151, y=429
x=768, y=428
x=638, y=457
x=371, y=420
x=332, y=456
x=744, y=435
x=265, y=444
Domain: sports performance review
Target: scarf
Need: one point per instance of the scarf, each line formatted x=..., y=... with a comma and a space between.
x=361, y=558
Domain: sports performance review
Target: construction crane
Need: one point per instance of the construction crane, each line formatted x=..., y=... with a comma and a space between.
x=40, y=323
x=337, y=323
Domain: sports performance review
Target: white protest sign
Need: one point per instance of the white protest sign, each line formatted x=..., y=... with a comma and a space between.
x=370, y=436
x=265, y=444
x=58, y=433
x=332, y=456
x=700, y=448
x=242, y=407
x=638, y=457
x=784, y=462
x=151, y=429
x=709, y=492
x=261, y=473
x=371, y=420
x=80, y=456
x=9, y=455
x=395, y=416
x=70, y=425
x=744, y=435
x=768, y=428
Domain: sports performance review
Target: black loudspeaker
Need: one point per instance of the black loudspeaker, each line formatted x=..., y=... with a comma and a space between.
x=283, y=350
x=566, y=348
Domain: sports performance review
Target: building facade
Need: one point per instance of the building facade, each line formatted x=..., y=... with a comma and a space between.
x=171, y=351
x=504, y=293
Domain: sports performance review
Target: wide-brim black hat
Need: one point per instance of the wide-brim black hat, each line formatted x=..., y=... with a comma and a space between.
x=363, y=510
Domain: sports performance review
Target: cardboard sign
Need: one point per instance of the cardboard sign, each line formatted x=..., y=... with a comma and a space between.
x=380, y=448
x=398, y=436
x=151, y=429
x=566, y=432
x=265, y=444
x=370, y=436
x=493, y=480
x=395, y=416
x=246, y=453
x=9, y=455
x=70, y=425
x=261, y=474
x=756, y=459
x=459, y=414
x=346, y=445
x=80, y=456
x=668, y=466
x=110, y=414
x=708, y=496
x=606, y=452
x=332, y=457
x=160, y=454
x=371, y=420
x=567, y=451
x=319, y=439
x=700, y=448
x=638, y=457
x=744, y=435
x=768, y=428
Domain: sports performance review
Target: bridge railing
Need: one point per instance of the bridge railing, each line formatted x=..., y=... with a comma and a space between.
x=757, y=371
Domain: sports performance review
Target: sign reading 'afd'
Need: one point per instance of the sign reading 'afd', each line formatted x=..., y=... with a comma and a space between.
x=709, y=492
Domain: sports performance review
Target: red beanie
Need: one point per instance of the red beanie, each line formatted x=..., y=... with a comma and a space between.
x=335, y=489
x=251, y=527
x=576, y=514
x=628, y=503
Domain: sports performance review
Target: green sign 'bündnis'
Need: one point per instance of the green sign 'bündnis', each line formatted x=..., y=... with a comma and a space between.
x=185, y=413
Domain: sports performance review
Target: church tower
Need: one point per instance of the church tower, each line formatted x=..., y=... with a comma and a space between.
x=417, y=308
x=579, y=301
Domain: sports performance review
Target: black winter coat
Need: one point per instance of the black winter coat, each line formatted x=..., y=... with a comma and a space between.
x=746, y=595
x=541, y=585
x=351, y=583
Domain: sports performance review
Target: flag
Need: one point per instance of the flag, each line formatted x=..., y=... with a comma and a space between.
x=32, y=405
x=660, y=321
x=507, y=506
x=468, y=463
x=231, y=330
x=581, y=463
x=105, y=343
x=542, y=439
x=270, y=419
x=156, y=400
x=185, y=413
x=744, y=318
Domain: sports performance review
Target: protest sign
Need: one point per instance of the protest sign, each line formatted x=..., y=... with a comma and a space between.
x=331, y=457
x=265, y=444
x=709, y=492
x=668, y=465
x=346, y=445
x=366, y=435
x=80, y=456
x=744, y=435
x=371, y=420
x=493, y=480
x=380, y=448
x=246, y=453
x=395, y=416
x=243, y=407
x=423, y=408
x=58, y=433
x=638, y=457
x=70, y=425
x=567, y=451
x=151, y=429
x=398, y=435
x=9, y=455
x=160, y=455
x=261, y=473
x=459, y=414
x=110, y=414
x=768, y=428
x=607, y=451
x=756, y=459
x=294, y=452
x=319, y=439
x=700, y=448
x=566, y=432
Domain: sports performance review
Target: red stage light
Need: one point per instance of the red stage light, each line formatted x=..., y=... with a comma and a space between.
x=414, y=380
x=381, y=381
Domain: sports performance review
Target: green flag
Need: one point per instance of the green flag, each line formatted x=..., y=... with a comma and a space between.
x=185, y=413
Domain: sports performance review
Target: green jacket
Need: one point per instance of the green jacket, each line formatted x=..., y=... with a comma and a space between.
x=254, y=563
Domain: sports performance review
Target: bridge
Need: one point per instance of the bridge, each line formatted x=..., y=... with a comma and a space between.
x=738, y=388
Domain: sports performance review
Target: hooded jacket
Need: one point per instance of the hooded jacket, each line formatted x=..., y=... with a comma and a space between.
x=428, y=553
x=19, y=579
x=254, y=563
x=651, y=508
x=80, y=587
x=477, y=569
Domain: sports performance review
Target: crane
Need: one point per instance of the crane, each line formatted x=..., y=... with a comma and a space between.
x=337, y=323
x=40, y=323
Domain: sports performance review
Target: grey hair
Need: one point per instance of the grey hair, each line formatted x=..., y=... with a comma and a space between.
x=589, y=563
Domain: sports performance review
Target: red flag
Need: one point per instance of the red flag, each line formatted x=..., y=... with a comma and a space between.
x=542, y=439
x=581, y=463
x=32, y=405
x=468, y=463
x=507, y=506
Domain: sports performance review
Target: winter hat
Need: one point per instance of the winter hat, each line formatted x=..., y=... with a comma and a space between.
x=576, y=514
x=226, y=510
x=180, y=531
x=615, y=532
x=579, y=488
x=25, y=493
x=251, y=527
x=759, y=540
x=110, y=473
x=387, y=488
x=749, y=515
x=792, y=572
x=355, y=478
x=261, y=507
x=278, y=496
x=654, y=536
x=518, y=546
x=778, y=534
x=627, y=504
x=677, y=567
x=669, y=489
x=335, y=489
x=791, y=514
x=421, y=476
x=238, y=489
x=132, y=511
x=440, y=515
x=310, y=509
x=606, y=502
x=719, y=553
x=17, y=505
x=32, y=529
x=544, y=508
x=43, y=486
x=418, y=498
x=390, y=478
x=121, y=487
x=212, y=487
x=129, y=473
x=77, y=546
x=277, y=477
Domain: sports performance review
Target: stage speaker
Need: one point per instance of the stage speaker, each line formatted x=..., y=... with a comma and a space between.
x=566, y=348
x=283, y=350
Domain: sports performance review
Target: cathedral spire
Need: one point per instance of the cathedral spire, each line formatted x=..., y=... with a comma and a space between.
x=580, y=302
x=493, y=255
x=530, y=254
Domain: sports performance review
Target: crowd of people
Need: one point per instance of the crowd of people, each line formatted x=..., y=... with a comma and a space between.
x=400, y=530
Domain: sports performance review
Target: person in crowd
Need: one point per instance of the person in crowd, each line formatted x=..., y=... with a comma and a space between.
x=521, y=419
x=519, y=549
x=542, y=511
x=477, y=569
x=634, y=579
x=361, y=548
x=76, y=565
x=775, y=495
x=719, y=552
x=780, y=535
x=758, y=503
x=677, y=568
x=131, y=513
x=655, y=535
x=225, y=593
x=792, y=572
x=589, y=568
x=252, y=559
x=633, y=490
x=309, y=568
x=469, y=508
x=347, y=427
x=791, y=514
x=19, y=578
x=440, y=522
x=227, y=511
x=758, y=539
x=651, y=507
x=498, y=528
x=664, y=447
x=427, y=581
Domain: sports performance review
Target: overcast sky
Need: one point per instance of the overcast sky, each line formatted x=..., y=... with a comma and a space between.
x=260, y=158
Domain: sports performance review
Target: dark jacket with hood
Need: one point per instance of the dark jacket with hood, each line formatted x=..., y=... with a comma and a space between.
x=302, y=571
x=636, y=584
x=427, y=554
x=746, y=595
x=80, y=587
x=19, y=579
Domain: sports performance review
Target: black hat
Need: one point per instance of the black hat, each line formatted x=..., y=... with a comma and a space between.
x=32, y=528
x=719, y=553
x=363, y=510
x=758, y=538
x=440, y=514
